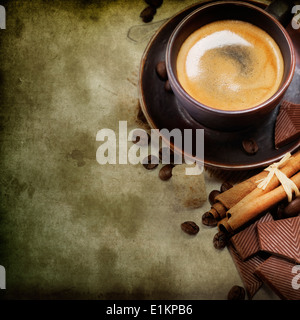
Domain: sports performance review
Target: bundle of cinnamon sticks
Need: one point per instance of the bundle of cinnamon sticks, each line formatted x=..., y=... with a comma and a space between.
x=246, y=201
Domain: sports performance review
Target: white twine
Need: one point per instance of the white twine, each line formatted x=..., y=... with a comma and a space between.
x=288, y=185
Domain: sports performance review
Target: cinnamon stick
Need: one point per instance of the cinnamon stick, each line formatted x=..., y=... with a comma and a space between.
x=289, y=169
x=232, y=196
x=236, y=218
x=247, y=190
x=224, y=226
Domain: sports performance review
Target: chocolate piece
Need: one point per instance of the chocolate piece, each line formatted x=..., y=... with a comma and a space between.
x=281, y=237
x=150, y=162
x=190, y=227
x=246, y=270
x=287, y=127
x=246, y=241
x=148, y=13
x=236, y=293
x=212, y=195
x=281, y=276
x=250, y=146
x=165, y=173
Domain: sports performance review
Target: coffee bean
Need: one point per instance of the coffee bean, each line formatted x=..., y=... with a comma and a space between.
x=148, y=13
x=225, y=186
x=279, y=210
x=250, y=146
x=167, y=86
x=220, y=240
x=236, y=293
x=292, y=209
x=165, y=173
x=209, y=220
x=140, y=138
x=154, y=3
x=212, y=196
x=161, y=70
x=190, y=227
x=150, y=162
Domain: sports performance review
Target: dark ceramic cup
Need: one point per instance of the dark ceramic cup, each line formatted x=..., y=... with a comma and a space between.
x=233, y=10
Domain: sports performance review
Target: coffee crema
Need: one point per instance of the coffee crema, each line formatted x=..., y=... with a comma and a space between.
x=230, y=65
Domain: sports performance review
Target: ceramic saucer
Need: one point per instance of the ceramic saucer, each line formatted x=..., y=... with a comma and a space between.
x=222, y=150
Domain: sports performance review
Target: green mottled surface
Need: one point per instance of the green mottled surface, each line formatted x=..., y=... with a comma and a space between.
x=71, y=228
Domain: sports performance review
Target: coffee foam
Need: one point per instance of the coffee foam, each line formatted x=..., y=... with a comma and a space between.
x=230, y=65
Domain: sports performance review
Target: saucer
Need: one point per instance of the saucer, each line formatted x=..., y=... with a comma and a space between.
x=222, y=150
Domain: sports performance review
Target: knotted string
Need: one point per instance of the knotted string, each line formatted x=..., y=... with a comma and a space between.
x=288, y=185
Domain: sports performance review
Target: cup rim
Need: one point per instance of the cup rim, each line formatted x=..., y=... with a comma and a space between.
x=180, y=90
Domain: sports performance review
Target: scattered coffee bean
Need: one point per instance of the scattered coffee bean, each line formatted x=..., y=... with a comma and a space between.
x=209, y=220
x=161, y=70
x=154, y=3
x=212, y=196
x=250, y=146
x=190, y=227
x=292, y=209
x=150, y=162
x=220, y=240
x=236, y=293
x=165, y=173
x=148, y=13
x=225, y=186
x=140, y=138
x=167, y=86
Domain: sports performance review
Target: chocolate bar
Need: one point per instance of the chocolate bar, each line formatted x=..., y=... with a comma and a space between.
x=281, y=237
x=246, y=241
x=287, y=127
x=246, y=270
x=281, y=276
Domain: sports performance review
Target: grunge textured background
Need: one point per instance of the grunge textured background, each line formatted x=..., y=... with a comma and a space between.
x=71, y=228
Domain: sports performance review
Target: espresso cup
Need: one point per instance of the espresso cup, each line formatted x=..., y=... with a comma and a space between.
x=227, y=119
